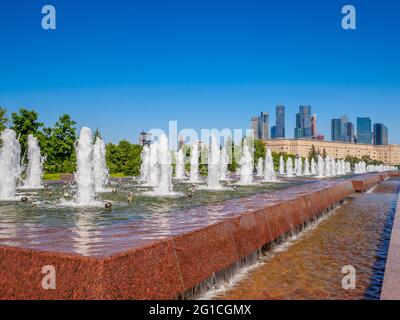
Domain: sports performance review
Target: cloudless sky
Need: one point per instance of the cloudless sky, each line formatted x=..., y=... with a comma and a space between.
x=128, y=66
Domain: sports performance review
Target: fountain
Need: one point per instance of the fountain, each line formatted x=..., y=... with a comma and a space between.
x=269, y=174
x=10, y=168
x=320, y=167
x=99, y=165
x=144, y=168
x=246, y=166
x=307, y=168
x=223, y=165
x=152, y=177
x=260, y=167
x=35, y=165
x=299, y=167
x=84, y=175
x=333, y=167
x=180, y=165
x=328, y=169
x=289, y=167
x=194, y=163
x=281, y=166
x=164, y=186
x=313, y=167
x=213, y=165
x=348, y=167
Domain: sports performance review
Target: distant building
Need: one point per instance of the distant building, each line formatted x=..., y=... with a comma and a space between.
x=264, y=125
x=381, y=136
x=273, y=132
x=144, y=139
x=336, y=130
x=364, y=130
x=314, y=132
x=320, y=137
x=303, y=123
x=349, y=128
x=280, y=121
x=255, y=126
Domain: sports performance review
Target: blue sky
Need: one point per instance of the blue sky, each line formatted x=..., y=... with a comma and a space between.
x=128, y=66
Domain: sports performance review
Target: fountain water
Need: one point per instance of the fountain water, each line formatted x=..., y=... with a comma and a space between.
x=320, y=167
x=223, y=165
x=194, y=163
x=84, y=175
x=99, y=165
x=299, y=167
x=281, y=166
x=348, y=167
x=213, y=165
x=246, y=165
x=289, y=167
x=180, y=165
x=328, y=169
x=10, y=168
x=35, y=165
x=152, y=177
x=164, y=186
x=144, y=168
x=333, y=167
x=269, y=174
x=313, y=167
x=260, y=167
x=307, y=168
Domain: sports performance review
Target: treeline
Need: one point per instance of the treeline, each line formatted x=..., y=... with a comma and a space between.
x=57, y=143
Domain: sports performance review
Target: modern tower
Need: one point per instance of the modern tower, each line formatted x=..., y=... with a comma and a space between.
x=264, y=125
x=280, y=122
x=303, y=123
x=381, y=136
x=314, y=133
x=336, y=130
x=255, y=126
x=364, y=130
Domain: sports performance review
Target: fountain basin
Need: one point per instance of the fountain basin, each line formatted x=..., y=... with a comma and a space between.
x=165, y=268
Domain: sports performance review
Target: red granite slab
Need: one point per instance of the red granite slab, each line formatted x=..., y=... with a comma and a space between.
x=21, y=275
x=365, y=182
x=150, y=272
x=204, y=252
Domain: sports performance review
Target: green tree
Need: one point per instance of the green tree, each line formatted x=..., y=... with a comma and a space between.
x=60, y=148
x=3, y=119
x=313, y=154
x=25, y=122
x=259, y=150
x=123, y=158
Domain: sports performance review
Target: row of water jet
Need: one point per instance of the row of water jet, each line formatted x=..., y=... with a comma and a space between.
x=180, y=165
x=194, y=163
x=246, y=165
x=269, y=168
x=214, y=156
x=34, y=170
x=156, y=168
x=380, y=168
x=91, y=174
x=10, y=168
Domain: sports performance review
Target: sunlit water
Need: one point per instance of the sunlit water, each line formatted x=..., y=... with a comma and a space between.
x=309, y=266
x=54, y=225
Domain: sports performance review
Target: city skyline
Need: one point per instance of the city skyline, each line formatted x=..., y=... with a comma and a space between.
x=206, y=69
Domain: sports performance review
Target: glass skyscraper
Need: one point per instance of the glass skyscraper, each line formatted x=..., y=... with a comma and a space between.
x=280, y=122
x=303, y=123
x=264, y=125
x=381, y=136
x=336, y=129
x=364, y=130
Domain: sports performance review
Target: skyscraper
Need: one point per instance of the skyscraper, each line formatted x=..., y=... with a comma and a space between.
x=336, y=130
x=303, y=123
x=280, y=122
x=349, y=132
x=264, y=125
x=255, y=126
x=273, y=132
x=314, y=133
x=364, y=130
x=381, y=134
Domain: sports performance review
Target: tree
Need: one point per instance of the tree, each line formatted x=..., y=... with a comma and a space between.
x=25, y=122
x=123, y=158
x=60, y=148
x=259, y=150
x=313, y=154
x=3, y=119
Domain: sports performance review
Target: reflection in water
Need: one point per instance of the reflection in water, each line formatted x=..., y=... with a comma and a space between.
x=95, y=231
x=355, y=234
